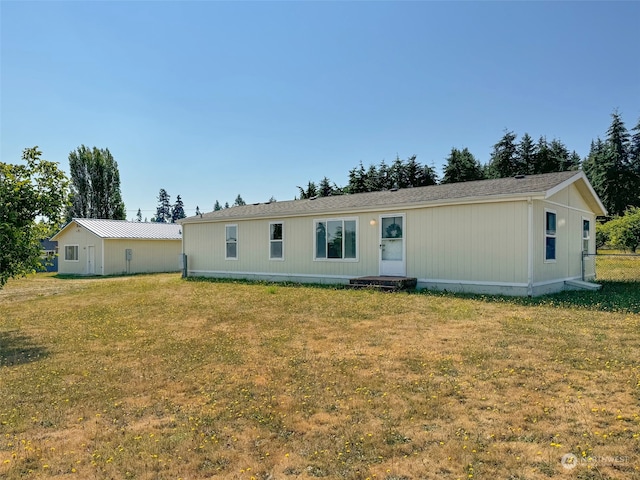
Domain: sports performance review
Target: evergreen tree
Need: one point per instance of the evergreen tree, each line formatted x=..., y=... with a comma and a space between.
x=357, y=180
x=217, y=206
x=574, y=162
x=397, y=171
x=429, y=176
x=544, y=159
x=384, y=176
x=163, y=211
x=311, y=190
x=526, y=155
x=372, y=179
x=226, y=205
x=198, y=211
x=95, y=185
x=177, y=211
x=414, y=172
x=559, y=155
x=610, y=171
x=139, y=216
x=325, y=189
x=239, y=202
x=504, y=160
x=462, y=166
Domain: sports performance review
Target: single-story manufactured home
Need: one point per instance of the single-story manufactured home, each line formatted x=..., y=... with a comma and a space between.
x=518, y=236
x=90, y=246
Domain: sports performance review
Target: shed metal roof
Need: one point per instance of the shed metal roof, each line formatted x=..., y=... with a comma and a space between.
x=122, y=229
x=531, y=185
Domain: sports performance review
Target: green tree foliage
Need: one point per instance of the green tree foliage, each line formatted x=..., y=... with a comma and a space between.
x=462, y=166
x=504, y=159
x=401, y=174
x=309, y=192
x=139, y=216
x=239, y=201
x=177, y=211
x=198, y=209
x=611, y=170
x=217, y=206
x=37, y=188
x=95, y=185
x=163, y=210
x=622, y=232
x=634, y=151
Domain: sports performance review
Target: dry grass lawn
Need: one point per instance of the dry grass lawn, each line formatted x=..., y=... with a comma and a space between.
x=155, y=377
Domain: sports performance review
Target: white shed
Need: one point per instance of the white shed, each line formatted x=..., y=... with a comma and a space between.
x=518, y=236
x=89, y=246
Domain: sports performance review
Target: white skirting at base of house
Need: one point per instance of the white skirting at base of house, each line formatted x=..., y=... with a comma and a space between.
x=457, y=286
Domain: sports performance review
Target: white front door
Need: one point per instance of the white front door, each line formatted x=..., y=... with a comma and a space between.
x=392, y=245
x=91, y=260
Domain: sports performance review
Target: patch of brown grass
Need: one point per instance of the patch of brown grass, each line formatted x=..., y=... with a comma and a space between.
x=154, y=377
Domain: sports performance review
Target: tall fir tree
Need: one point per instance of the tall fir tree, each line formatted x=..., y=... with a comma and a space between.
x=239, y=202
x=357, y=180
x=325, y=189
x=309, y=192
x=163, y=210
x=461, y=166
x=559, y=155
x=610, y=170
x=177, y=211
x=198, y=213
x=526, y=155
x=139, y=216
x=217, y=206
x=95, y=185
x=504, y=160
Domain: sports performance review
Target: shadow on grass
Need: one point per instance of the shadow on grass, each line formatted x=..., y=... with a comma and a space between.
x=18, y=349
x=612, y=297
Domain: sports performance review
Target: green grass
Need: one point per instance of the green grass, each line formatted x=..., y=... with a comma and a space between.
x=154, y=377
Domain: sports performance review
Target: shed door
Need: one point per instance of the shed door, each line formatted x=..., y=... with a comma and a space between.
x=91, y=260
x=392, y=245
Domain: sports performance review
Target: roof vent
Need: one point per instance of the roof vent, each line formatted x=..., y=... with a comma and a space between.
x=519, y=176
x=394, y=189
x=313, y=198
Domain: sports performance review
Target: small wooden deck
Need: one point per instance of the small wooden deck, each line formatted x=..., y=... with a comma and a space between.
x=385, y=283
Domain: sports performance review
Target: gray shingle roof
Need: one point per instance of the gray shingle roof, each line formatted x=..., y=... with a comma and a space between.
x=129, y=230
x=448, y=193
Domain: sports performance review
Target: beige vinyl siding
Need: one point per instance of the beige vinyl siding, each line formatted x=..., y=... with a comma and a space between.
x=204, y=244
x=570, y=209
x=82, y=238
x=147, y=256
x=476, y=243
x=480, y=242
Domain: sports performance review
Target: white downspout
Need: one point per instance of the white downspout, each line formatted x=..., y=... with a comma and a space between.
x=530, y=247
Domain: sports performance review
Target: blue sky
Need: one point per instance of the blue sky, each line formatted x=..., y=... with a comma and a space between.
x=209, y=100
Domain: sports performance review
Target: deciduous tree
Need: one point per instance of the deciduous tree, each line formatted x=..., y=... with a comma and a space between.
x=35, y=189
x=95, y=185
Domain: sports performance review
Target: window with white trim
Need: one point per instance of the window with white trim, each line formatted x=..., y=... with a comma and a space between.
x=276, y=241
x=335, y=239
x=71, y=253
x=550, y=221
x=586, y=235
x=231, y=242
